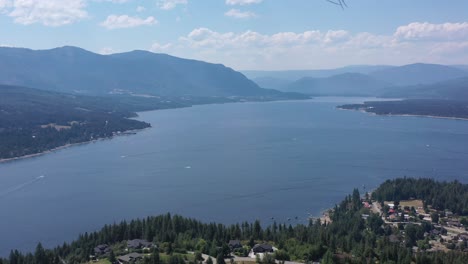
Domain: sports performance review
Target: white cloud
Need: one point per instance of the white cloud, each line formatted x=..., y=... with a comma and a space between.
x=415, y=42
x=204, y=37
x=4, y=4
x=140, y=9
x=114, y=1
x=242, y=2
x=428, y=31
x=107, y=51
x=157, y=47
x=236, y=13
x=125, y=21
x=170, y=4
x=47, y=12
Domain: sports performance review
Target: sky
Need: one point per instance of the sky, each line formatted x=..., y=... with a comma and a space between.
x=248, y=34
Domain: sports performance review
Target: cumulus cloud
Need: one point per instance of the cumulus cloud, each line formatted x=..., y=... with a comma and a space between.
x=140, y=9
x=4, y=4
x=428, y=31
x=242, y=2
x=125, y=21
x=236, y=13
x=170, y=4
x=157, y=47
x=204, y=37
x=49, y=13
x=114, y=1
x=415, y=42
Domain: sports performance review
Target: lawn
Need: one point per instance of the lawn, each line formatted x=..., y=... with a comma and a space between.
x=101, y=261
x=415, y=203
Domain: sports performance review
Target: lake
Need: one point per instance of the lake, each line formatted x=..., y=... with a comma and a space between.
x=226, y=163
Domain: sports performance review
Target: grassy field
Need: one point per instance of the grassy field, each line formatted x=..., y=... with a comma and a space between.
x=164, y=257
x=101, y=261
x=415, y=203
x=410, y=203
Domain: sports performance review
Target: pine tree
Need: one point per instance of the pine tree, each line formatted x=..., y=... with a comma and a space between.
x=220, y=259
x=155, y=259
x=39, y=255
x=112, y=258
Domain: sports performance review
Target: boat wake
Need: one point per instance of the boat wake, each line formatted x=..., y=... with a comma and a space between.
x=20, y=186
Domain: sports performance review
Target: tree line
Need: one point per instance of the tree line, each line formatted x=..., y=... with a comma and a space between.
x=441, y=196
x=349, y=238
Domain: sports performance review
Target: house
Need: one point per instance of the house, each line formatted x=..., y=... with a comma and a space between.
x=435, y=232
x=138, y=244
x=233, y=244
x=463, y=237
x=392, y=217
x=130, y=258
x=454, y=223
x=262, y=248
x=393, y=239
x=102, y=249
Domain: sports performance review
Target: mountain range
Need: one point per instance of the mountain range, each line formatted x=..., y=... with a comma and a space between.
x=418, y=73
x=346, y=84
x=75, y=70
x=455, y=89
x=413, y=80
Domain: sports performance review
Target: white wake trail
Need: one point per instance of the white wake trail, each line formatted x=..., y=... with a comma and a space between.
x=20, y=186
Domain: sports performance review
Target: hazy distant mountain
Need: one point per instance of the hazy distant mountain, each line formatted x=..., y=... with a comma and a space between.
x=456, y=89
x=347, y=84
x=272, y=83
x=71, y=69
x=461, y=67
x=419, y=73
x=295, y=75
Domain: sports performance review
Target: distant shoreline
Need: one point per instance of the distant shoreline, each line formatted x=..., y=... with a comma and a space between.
x=404, y=115
x=130, y=131
x=67, y=146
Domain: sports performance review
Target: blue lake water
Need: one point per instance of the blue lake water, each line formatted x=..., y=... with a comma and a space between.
x=225, y=163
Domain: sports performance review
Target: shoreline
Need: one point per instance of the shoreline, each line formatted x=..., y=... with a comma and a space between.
x=2, y=161
x=49, y=151
x=405, y=115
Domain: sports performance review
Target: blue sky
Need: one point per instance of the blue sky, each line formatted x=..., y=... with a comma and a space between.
x=248, y=34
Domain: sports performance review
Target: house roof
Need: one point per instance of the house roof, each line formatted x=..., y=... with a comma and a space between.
x=137, y=243
x=262, y=247
x=102, y=249
x=130, y=257
x=234, y=243
x=394, y=239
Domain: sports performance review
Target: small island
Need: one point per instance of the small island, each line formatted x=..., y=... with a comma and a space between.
x=403, y=221
x=455, y=109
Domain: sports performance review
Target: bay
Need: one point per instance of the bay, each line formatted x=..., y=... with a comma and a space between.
x=277, y=161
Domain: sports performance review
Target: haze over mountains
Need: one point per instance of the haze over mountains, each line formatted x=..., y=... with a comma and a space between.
x=74, y=70
x=346, y=84
x=400, y=81
x=419, y=73
x=77, y=71
x=456, y=89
